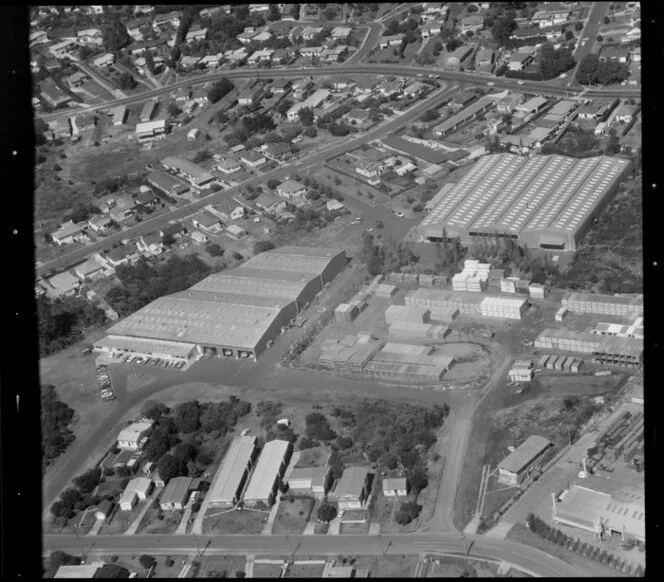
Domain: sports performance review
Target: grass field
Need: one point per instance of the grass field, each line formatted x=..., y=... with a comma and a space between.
x=292, y=517
x=267, y=571
x=235, y=522
x=305, y=571
x=397, y=566
x=221, y=566
x=447, y=567
x=151, y=524
x=133, y=565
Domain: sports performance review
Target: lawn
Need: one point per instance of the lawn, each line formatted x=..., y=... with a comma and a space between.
x=133, y=565
x=398, y=566
x=267, y=571
x=122, y=520
x=234, y=522
x=305, y=571
x=355, y=528
x=446, y=567
x=292, y=517
x=151, y=524
x=221, y=566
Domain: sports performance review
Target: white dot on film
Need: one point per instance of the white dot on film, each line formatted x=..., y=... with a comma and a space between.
x=654, y=263
x=14, y=152
x=15, y=231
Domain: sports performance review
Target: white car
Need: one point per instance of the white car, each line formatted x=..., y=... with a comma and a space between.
x=399, y=214
x=420, y=74
x=490, y=83
x=521, y=82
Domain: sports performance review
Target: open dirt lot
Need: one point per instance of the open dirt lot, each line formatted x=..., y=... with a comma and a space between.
x=446, y=567
x=387, y=566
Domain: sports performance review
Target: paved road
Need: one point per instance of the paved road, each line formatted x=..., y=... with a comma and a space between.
x=370, y=41
x=531, y=559
x=590, y=31
x=151, y=224
x=373, y=69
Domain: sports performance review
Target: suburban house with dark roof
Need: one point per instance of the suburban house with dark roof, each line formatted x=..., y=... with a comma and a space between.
x=206, y=222
x=314, y=480
x=176, y=493
x=175, y=230
x=352, y=490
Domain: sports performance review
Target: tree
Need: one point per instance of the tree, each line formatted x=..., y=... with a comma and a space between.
x=154, y=410
x=326, y=512
x=272, y=183
x=126, y=81
x=310, y=131
x=452, y=45
x=147, y=561
x=219, y=90
x=88, y=480
x=185, y=452
x=390, y=461
x=344, y=443
x=214, y=250
x=261, y=246
x=170, y=466
x=578, y=26
x=114, y=35
x=59, y=558
x=569, y=35
x=173, y=110
x=502, y=29
x=306, y=116
x=111, y=571
x=407, y=512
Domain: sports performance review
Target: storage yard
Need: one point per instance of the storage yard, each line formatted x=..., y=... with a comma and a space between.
x=234, y=313
x=546, y=202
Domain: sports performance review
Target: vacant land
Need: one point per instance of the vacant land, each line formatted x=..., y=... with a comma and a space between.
x=152, y=524
x=292, y=516
x=221, y=566
x=387, y=566
x=234, y=522
x=267, y=571
x=305, y=571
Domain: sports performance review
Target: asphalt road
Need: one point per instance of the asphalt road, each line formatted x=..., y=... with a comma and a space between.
x=590, y=31
x=526, y=557
x=375, y=32
x=373, y=69
x=314, y=158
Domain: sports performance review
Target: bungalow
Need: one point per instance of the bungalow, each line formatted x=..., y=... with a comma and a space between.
x=105, y=60
x=188, y=62
x=146, y=197
x=625, y=113
x=332, y=54
x=311, y=51
x=61, y=49
x=176, y=493
x=77, y=79
x=454, y=60
x=281, y=56
x=138, y=489
x=100, y=223
x=124, y=210
x=390, y=40
x=431, y=29
x=532, y=106
x=134, y=28
x=236, y=55
x=134, y=436
x=181, y=94
x=206, y=222
x=314, y=480
x=614, y=53
x=249, y=97
x=63, y=285
x=414, y=89
x=173, y=230
x=53, y=95
x=198, y=237
x=395, y=487
x=509, y=103
x=291, y=189
x=229, y=166
x=141, y=47
x=90, y=36
x=150, y=244
x=270, y=203
x=473, y=22
x=194, y=35
x=277, y=151
x=252, y=159
x=341, y=83
x=211, y=61
x=170, y=19
x=246, y=36
x=484, y=60
x=209, y=12
x=226, y=211
x=389, y=88
x=358, y=116
x=83, y=122
x=366, y=85
x=262, y=37
x=353, y=488
x=370, y=170
x=236, y=232
x=90, y=270
x=104, y=509
x=67, y=233
x=309, y=32
x=404, y=169
x=260, y=56
x=124, y=255
x=59, y=128
x=38, y=37
x=521, y=59
x=341, y=32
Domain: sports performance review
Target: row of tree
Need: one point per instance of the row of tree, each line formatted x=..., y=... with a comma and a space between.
x=56, y=418
x=592, y=71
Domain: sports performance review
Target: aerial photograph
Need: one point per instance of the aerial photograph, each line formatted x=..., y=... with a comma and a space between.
x=339, y=290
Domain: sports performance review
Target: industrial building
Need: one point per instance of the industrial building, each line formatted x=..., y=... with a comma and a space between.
x=616, y=305
x=150, y=129
x=193, y=173
x=148, y=111
x=624, y=352
x=233, y=313
x=267, y=475
x=527, y=458
x=469, y=303
x=545, y=202
x=167, y=183
x=605, y=506
x=226, y=489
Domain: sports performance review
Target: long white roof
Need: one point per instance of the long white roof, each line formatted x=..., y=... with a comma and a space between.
x=266, y=471
x=229, y=475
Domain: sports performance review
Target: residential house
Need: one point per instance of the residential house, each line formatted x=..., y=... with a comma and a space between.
x=138, y=489
x=61, y=49
x=226, y=210
x=194, y=35
x=236, y=232
x=370, y=170
x=124, y=255
x=359, y=117
x=484, y=60
x=281, y=56
x=167, y=183
x=473, y=22
x=277, y=151
x=77, y=79
x=134, y=436
x=341, y=83
x=246, y=36
x=365, y=85
x=625, y=112
x=259, y=56
x=262, y=37
x=390, y=40
x=395, y=487
x=150, y=244
x=81, y=571
x=125, y=209
x=228, y=166
x=90, y=36
x=38, y=37
x=175, y=231
x=291, y=189
x=521, y=59
x=531, y=107
x=315, y=480
x=83, y=122
x=267, y=473
x=53, y=94
x=341, y=32
x=149, y=45
x=389, y=88
x=309, y=32
x=249, y=97
x=615, y=53
x=211, y=61
x=105, y=60
x=300, y=86
x=509, y=103
x=188, y=62
x=206, y=222
x=100, y=223
x=353, y=489
x=134, y=27
x=454, y=60
x=62, y=285
x=198, y=237
x=104, y=509
x=311, y=51
x=431, y=29
x=163, y=20
x=90, y=270
x=146, y=197
x=332, y=54
x=176, y=493
x=414, y=89
x=67, y=233
x=252, y=159
x=270, y=203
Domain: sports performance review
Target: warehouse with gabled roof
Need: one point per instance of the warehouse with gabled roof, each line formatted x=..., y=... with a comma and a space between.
x=545, y=202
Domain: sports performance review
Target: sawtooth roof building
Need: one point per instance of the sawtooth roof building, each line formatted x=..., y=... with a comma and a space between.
x=545, y=202
x=234, y=313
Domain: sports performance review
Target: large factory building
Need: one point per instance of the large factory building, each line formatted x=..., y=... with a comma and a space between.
x=545, y=202
x=234, y=313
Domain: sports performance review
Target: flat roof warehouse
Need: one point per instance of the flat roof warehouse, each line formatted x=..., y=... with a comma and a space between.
x=545, y=201
x=232, y=313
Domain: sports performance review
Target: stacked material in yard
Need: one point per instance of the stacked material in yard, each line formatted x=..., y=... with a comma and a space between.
x=386, y=290
x=350, y=354
x=474, y=277
x=426, y=280
x=395, y=277
x=346, y=312
x=504, y=307
x=402, y=370
x=538, y=291
x=443, y=314
x=508, y=285
x=411, y=313
x=466, y=303
x=411, y=278
x=440, y=281
x=418, y=330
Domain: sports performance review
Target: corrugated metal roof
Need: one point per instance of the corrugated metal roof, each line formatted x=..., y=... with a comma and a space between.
x=266, y=471
x=351, y=483
x=524, y=453
x=228, y=477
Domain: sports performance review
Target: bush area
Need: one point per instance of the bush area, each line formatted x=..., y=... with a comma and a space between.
x=62, y=322
x=142, y=283
x=539, y=527
x=59, y=558
x=56, y=417
x=385, y=256
x=592, y=71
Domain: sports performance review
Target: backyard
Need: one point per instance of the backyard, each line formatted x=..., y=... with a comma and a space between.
x=293, y=514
